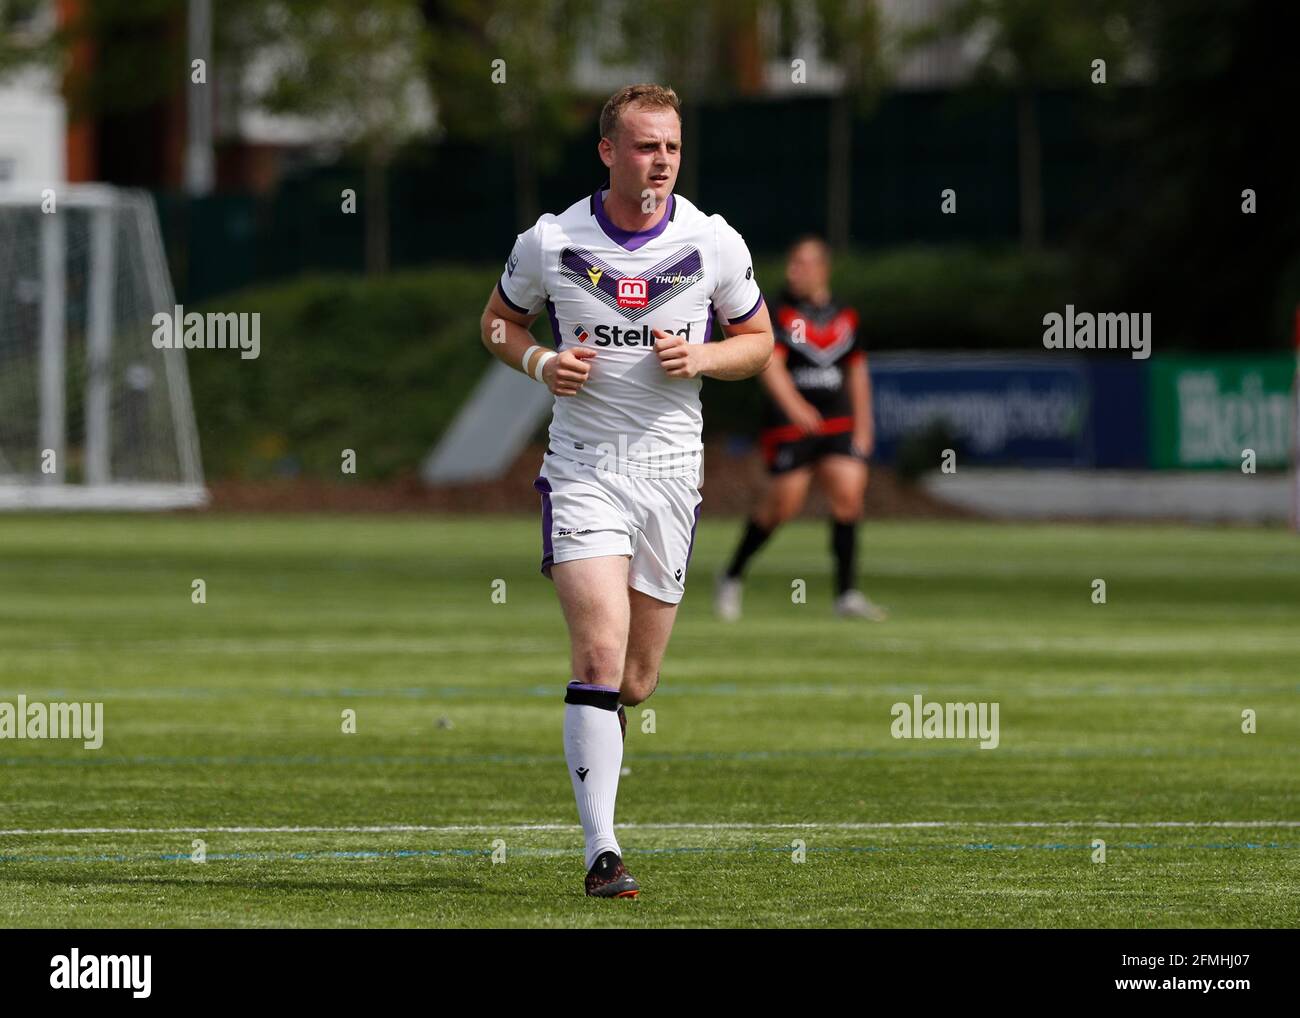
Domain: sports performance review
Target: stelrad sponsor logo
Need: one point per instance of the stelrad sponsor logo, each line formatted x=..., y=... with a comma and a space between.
x=75, y=971
x=630, y=335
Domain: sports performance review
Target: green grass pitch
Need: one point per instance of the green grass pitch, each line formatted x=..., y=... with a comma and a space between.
x=1120, y=721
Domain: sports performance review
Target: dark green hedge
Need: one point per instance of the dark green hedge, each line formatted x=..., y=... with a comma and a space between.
x=381, y=365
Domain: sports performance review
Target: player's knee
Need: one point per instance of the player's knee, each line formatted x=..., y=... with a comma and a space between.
x=846, y=509
x=766, y=517
x=637, y=686
x=780, y=508
x=601, y=664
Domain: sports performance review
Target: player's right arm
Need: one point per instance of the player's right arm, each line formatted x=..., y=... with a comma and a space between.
x=511, y=310
x=505, y=333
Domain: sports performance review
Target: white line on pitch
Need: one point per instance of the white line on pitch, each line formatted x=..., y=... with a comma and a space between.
x=488, y=828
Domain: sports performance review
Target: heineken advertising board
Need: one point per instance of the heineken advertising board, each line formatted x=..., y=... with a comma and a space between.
x=1205, y=411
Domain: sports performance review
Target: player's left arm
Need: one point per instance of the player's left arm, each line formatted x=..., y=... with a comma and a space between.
x=859, y=379
x=745, y=322
x=743, y=354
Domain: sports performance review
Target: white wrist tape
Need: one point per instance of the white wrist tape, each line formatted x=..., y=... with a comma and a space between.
x=545, y=356
x=529, y=354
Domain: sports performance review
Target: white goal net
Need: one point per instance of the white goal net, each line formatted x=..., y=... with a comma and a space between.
x=92, y=416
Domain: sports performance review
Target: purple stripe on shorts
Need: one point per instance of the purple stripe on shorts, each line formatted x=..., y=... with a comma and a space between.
x=543, y=487
x=691, y=547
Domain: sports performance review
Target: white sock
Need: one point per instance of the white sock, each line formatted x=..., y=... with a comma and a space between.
x=593, y=748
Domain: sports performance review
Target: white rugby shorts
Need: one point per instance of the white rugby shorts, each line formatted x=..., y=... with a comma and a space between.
x=588, y=511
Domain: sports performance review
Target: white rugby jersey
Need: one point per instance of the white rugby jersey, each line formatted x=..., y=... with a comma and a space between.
x=607, y=288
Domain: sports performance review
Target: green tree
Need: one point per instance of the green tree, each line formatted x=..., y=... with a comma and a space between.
x=711, y=51
x=1026, y=46
x=1172, y=234
x=852, y=36
x=24, y=41
x=359, y=72
x=704, y=50
x=503, y=73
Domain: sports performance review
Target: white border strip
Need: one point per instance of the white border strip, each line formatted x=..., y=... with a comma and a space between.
x=488, y=828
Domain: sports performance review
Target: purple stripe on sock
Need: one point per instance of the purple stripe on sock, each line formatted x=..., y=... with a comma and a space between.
x=586, y=694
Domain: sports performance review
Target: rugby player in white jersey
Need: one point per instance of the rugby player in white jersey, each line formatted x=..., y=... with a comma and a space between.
x=630, y=277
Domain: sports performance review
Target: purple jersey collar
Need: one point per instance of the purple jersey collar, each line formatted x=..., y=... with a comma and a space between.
x=630, y=239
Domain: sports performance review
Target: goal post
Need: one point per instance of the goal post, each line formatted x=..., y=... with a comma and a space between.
x=92, y=415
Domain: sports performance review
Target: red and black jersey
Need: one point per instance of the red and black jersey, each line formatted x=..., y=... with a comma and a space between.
x=817, y=343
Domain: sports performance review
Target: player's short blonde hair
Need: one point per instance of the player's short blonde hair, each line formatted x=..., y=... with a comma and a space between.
x=652, y=96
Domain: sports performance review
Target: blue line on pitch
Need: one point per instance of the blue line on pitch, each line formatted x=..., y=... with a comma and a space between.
x=682, y=688
x=679, y=850
x=953, y=749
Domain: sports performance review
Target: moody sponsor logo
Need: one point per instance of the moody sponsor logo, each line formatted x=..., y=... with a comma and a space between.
x=633, y=292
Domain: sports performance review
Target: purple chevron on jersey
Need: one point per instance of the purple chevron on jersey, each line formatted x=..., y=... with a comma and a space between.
x=680, y=270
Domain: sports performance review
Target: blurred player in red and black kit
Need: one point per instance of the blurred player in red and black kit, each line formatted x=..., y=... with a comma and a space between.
x=816, y=422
